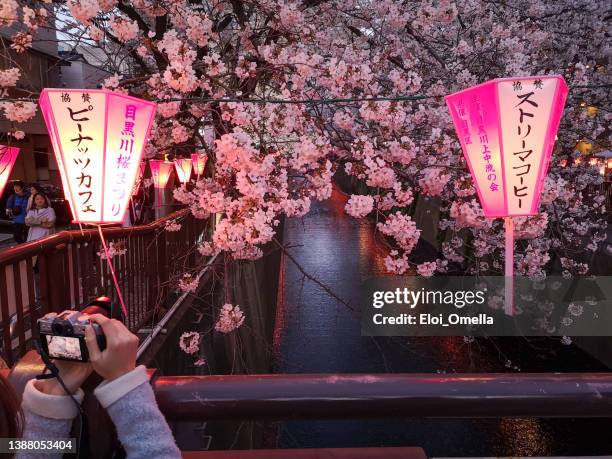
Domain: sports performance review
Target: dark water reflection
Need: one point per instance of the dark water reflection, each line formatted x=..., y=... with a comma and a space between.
x=317, y=334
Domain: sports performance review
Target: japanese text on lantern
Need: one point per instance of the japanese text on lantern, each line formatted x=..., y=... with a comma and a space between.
x=524, y=118
x=124, y=159
x=78, y=107
x=489, y=167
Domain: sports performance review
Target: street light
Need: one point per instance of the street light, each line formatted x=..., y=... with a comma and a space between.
x=507, y=129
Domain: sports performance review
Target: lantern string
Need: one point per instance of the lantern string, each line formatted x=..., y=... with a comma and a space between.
x=112, y=270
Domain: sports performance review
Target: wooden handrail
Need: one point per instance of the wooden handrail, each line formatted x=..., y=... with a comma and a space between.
x=64, y=237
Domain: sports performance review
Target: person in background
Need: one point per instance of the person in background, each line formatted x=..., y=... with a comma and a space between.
x=125, y=393
x=34, y=190
x=16, y=209
x=40, y=218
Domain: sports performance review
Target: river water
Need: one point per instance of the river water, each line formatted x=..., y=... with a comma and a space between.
x=317, y=334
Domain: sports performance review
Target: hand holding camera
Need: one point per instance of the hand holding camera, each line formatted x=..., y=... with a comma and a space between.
x=80, y=342
x=119, y=356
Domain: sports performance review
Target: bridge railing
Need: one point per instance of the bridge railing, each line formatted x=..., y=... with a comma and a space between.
x=65, y=271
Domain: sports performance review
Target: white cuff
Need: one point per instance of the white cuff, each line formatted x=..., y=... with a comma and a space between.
x=50, y=406
x=109, y=392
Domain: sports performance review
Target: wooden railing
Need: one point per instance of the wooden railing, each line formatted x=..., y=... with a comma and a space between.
x=65, y=271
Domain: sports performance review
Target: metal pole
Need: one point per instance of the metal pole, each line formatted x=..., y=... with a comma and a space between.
x=509, y=271
x=324, y=396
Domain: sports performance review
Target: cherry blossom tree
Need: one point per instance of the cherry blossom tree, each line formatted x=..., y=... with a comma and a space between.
x=282, y=95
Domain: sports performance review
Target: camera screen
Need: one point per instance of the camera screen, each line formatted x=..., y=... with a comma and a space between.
x=63, y=347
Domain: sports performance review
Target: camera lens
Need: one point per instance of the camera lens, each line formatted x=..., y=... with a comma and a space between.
x=61, y=328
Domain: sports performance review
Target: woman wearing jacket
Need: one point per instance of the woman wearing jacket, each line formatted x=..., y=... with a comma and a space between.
x=125, y=393
x=16, y=209
x=40, y=218
x=34, y=190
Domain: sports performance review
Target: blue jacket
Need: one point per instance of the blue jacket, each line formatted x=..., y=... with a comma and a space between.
x=19, y=201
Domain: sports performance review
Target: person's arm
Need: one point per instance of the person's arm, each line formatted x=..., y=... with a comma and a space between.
x=10, y=202
x=47, y=416
x=50, y=222
x=141, y=427
x=31, y=219
x=47, y=409
x=127, y=395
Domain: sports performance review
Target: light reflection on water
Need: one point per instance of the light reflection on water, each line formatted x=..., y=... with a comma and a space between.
x=317, y=334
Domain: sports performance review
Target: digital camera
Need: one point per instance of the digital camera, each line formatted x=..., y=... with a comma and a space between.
x=63, y=336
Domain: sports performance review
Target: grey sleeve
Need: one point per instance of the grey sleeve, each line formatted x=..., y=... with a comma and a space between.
x=141, y=427
x=41, y=428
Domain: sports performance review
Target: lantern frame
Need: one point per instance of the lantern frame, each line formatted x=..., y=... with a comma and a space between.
x=199, y=161
x=183, y=167
x=494, y=124
x=156, y=165
x=111, y=100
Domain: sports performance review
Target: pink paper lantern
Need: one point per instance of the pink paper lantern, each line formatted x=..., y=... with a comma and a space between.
x=507, y=128
x=183, y=169
x=8, y=156
x=199, y=163
x=98, y=137
x=160, y=173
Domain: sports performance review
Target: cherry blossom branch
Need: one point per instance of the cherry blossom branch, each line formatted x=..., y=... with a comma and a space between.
x=310, y=277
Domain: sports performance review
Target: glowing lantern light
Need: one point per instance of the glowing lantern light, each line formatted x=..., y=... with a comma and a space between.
x=160, y=172
x=8, y=156
x=507, y=129
x=609, y=164
x=199, y=163
x=98, y=137
x=183, y=169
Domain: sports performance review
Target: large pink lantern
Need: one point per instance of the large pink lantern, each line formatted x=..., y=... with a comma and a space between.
x=98, y=137
x=160, y=173
x=507, y=129
x=199, y=163
x=183, y=169
x=8, y=156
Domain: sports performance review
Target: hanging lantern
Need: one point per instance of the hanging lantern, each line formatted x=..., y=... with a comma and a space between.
x=160, y=173
x=507, y=129
x=183, y=169
x=8, y=156
x=98, y=138
x=199, y=163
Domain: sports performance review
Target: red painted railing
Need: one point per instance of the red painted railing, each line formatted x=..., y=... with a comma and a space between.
x=64, y=271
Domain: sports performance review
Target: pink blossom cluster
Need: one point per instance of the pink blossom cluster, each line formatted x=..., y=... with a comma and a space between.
x=19, y=111
x=172, y=226
x=124, y=29
x=359, y=206
x=402, y=229
x=427, y=269
x=115, y=249
x=230, y=318
x=188, y=283
x=189, y=342
x=9, y=77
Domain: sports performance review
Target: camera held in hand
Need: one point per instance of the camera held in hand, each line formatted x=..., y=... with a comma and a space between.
x=63, y=336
